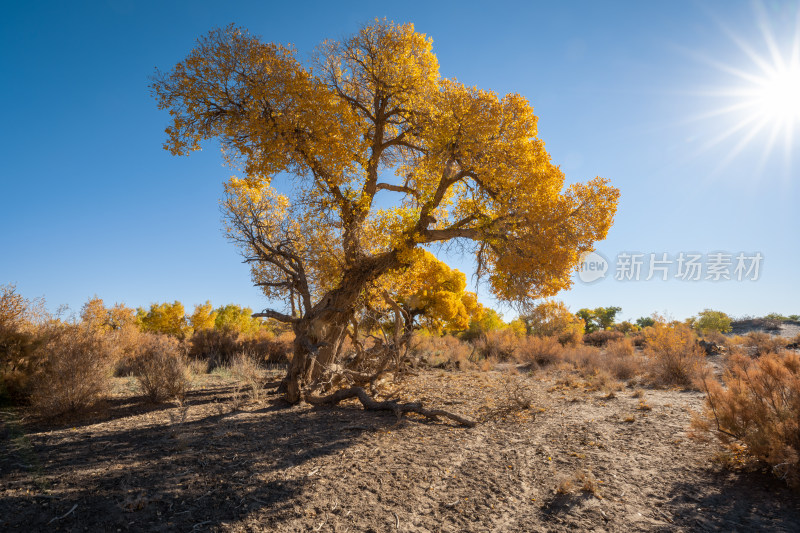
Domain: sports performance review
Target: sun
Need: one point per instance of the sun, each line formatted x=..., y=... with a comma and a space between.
x=761, y=101
x=777, y=96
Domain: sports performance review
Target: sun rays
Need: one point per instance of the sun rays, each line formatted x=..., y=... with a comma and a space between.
x=759, y=102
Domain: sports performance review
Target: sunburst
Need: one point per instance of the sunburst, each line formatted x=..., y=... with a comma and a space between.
x=763, y=98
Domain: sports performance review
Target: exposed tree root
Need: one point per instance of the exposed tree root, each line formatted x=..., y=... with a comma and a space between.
x=399, y=409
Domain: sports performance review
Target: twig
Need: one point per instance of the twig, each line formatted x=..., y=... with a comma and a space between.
x=64, y=515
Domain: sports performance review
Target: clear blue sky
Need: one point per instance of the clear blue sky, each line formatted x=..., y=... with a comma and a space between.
x=633, y=91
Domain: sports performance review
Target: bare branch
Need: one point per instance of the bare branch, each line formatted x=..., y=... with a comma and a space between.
x=399, y=409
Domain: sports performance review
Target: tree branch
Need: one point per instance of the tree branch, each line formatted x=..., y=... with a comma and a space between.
x=397, y=188
x=399, y=409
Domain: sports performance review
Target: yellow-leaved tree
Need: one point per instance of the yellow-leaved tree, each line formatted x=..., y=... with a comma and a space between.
x=385, y=156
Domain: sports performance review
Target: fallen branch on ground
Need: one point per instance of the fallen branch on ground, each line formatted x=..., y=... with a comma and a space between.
x=399, y=409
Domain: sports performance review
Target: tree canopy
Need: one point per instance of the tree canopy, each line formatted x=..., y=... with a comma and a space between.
x=385, y=156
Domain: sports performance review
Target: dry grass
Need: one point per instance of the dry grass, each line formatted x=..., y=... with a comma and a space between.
x=250, y=376
x=759, y=406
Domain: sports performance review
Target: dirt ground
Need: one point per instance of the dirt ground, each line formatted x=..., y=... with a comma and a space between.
x=271, y=467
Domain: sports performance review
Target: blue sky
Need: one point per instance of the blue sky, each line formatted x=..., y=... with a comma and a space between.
x=633, y=91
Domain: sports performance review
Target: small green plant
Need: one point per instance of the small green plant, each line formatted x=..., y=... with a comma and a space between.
x=712, y=321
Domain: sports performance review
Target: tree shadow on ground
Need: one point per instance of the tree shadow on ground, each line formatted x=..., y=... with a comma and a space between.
x=744, y=500
x=179, y=475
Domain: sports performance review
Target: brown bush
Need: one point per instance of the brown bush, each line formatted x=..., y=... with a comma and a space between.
x=217, y=347
x=673, y=355
x=267, y=349
x=758, y=343
x=161, y=369
x=221, y=347
x=541, y=351
x=621, y=359
x=602, y=337
x=717, y=338
x=20, y=340
x=73, y=369
x=759, y=407
x=126, y=343
x=499, y=344
x=586, y=359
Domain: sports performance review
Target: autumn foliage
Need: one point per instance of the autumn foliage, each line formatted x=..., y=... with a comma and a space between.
x=371, y=116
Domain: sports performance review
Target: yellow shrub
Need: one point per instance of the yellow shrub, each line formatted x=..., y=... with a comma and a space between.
x=673, y=353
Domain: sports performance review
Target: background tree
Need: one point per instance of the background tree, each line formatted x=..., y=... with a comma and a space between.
x=97, y=316
x=645, y=321
x=166, y=318
x=600, y=318
x=234, y=318
x=203, y=317
x=553, y=318
x=373, y=117
x=709, y=320
x=433, y=294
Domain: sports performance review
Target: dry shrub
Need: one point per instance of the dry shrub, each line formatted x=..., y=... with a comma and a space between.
x=127, y=343
x=758, y=343
x=673, y=355
x=160, y=368
x=586, y=359
x=541, y=351
x=571, y=335
x=602, y=337
x=759, y=407
x=218, y=347
x=73, y=370
x=583, y=480
x=717, y=338
x=621, y=359
x=441, y=351
x=20, y=340
x=499, y=344
x=221, y=347
x=267, y=349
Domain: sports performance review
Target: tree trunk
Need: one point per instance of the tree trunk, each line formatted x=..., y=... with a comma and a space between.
x=320, y=333
x=318, y=339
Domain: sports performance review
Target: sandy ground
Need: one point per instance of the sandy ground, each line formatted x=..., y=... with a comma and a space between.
x=271, y=467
